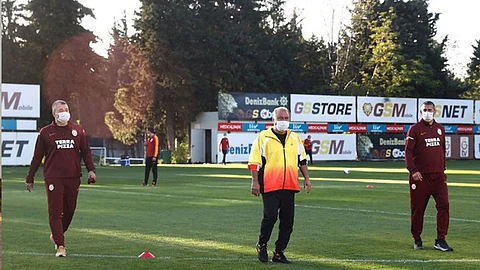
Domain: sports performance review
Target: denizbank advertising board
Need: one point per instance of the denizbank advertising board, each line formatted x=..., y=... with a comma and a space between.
x=249, y=106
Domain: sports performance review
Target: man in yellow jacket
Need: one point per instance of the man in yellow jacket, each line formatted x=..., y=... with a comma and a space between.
x=274, y=160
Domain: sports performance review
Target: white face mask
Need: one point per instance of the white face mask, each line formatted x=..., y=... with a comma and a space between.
x=282, y=125
x=63, y=117
x=427, y=116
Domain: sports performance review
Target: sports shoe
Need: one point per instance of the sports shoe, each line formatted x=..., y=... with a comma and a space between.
x=53, y=241
x=418, y=245
x=154, y=184
x=262, y=252
x=61, y=252
x=279, y=257
x=442, y=245
x=144, y=184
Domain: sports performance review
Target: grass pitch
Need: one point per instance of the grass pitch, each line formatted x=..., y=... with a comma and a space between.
x=204, y=217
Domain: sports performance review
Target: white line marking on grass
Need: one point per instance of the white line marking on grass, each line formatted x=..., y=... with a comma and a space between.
x=229, y=259
x=298, y=205
x=379, y=212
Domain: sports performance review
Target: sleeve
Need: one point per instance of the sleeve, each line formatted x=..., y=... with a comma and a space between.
x=444, y=150
x=410, y=142
x=156, y=145
x=255, y=157
x=302, y=155
x=38, y=155
x=86, y=153
x=228, y=143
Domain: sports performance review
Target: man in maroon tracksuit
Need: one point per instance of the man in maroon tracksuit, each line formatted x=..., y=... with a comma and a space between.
x=63, y=144
x=425, y=160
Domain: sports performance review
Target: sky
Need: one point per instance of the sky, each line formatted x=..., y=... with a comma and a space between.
x=458, y=20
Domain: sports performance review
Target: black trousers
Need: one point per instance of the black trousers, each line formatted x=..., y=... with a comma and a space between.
x=150, y=165
x=279, y=203
x=224, y=156
x=309, y=153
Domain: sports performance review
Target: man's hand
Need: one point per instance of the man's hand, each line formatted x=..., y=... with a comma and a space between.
x=92, y=178
x=307, y=185
x=29, y=186
x=255, y=187
x=417, y=176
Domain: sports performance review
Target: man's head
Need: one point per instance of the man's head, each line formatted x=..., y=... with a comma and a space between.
x=428, y=111
x=224, y=134
x=281, y=117
x=309, y=137
x=60, y=112
x=150, y=131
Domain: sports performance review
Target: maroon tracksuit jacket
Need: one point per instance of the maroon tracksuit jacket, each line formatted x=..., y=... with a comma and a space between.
x=425, y=153
x=63, y=149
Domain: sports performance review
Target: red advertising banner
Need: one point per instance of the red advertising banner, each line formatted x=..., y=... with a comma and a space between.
x=318, y=128
x=232, y=127
x=395, y=128
x=268, y=125
x=357, y=128
x=464, y=129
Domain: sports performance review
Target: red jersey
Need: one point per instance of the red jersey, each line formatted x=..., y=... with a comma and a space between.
x=152, y=146
x=425, y=148
x=63, y=149
x=307, y=144
x=224, y=144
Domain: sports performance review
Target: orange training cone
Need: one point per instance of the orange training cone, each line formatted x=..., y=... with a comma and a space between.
x=146, y=255
x=369, y=186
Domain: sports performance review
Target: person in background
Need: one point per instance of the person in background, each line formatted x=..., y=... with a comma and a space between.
x=151, y=157
x=307, y=144
x=425, y=161
x=223, y=147
x=276, y=155
x=63, y=144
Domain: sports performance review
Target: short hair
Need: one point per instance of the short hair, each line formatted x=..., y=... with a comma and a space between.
x=151, y=130
x=56, y=103
x=275, y=112
x=428, y=102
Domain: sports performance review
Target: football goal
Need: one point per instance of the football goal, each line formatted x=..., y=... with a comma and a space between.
x=99, y=155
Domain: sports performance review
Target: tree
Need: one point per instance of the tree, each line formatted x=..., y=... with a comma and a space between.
x=132, y=85
x=49, y=24
x=473, y=74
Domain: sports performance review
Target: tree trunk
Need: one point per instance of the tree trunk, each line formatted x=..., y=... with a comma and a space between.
x=170, y=124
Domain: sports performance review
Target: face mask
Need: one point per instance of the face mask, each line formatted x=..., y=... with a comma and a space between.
x=427, y=116
x=282, y=125
x=63, y=117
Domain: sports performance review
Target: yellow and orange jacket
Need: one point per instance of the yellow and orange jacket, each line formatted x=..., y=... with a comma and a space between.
x=277, y=165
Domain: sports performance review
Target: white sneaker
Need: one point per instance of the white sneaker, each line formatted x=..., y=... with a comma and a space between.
x=53, y=241
x=61, y=252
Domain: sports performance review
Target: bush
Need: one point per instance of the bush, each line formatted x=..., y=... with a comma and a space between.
x=181, y=155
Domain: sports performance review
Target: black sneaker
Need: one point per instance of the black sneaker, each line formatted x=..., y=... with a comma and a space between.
x=418, y=245
x=279, y=257
x=442, y=245
x=154, y=184
x=144, y=184
x=262, y=252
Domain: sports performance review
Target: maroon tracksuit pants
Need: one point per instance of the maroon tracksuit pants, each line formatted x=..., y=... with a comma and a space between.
x=62, y=196
x=433, y=184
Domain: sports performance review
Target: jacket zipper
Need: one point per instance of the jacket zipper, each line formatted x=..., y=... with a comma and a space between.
x=284, y=165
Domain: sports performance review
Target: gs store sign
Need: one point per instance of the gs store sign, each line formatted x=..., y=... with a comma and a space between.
x=313, y=108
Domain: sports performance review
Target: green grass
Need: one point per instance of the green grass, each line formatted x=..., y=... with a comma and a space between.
x=204, y=217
